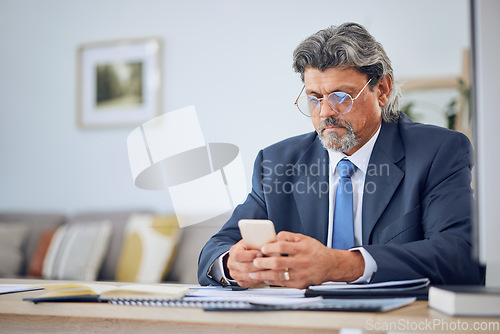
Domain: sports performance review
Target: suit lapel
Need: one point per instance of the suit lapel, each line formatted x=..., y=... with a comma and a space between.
x=312, y=190
x=383, y=176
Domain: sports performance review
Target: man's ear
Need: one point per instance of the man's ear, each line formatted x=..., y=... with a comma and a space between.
x=384, y=89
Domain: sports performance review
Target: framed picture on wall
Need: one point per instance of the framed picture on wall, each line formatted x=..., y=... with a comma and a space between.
x=118, y=82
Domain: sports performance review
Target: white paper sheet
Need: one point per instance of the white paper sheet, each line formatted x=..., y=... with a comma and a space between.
x=257, y=292
x=12, y=288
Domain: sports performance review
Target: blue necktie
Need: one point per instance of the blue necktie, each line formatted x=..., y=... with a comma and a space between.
x=343, y=221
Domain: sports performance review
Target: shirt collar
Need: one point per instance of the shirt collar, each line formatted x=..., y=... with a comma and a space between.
x=360, y=158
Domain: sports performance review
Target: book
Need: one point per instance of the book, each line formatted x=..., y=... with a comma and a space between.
x=393, y=289
x=405, y=284
x=461, y=300
x=98, y=292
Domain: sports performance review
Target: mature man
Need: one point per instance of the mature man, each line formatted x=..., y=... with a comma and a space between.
x=369, y=196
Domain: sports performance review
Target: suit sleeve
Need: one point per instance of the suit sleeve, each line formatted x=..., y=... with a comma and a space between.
x=254, y=207
x=445, y=253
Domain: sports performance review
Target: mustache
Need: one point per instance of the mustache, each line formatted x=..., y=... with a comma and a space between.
x=330, y=121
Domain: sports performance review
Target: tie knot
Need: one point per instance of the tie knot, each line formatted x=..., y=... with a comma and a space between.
x=346, y=168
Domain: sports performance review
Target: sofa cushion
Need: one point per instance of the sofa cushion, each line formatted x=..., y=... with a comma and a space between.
x=119, y=220
x=149, y=247
x=76, y=251
x=35, y=268
x=12, y=237
x=37, y=223
x=185, y=266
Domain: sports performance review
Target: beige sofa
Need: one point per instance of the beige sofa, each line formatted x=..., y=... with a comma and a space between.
x=182, y=270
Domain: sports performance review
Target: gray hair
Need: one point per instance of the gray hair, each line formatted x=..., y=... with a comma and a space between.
x=349, y=45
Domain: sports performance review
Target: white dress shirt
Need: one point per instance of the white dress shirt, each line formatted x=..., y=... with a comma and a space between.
x=361, y=159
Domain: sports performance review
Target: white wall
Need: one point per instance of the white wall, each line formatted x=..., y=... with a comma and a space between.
x=231, y=59
x=486, y=27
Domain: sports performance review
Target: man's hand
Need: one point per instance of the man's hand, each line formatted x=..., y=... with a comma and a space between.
x=240, y=265
x=309, y=262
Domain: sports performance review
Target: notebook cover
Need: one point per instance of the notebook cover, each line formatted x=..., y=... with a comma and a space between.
x=420, y=294
x=65, y=299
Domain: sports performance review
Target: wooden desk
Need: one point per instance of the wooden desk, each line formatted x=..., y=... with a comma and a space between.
x=18, y=316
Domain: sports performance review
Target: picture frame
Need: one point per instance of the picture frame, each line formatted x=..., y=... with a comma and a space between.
x=443, y=101
x=430, y=100
x=118, y=82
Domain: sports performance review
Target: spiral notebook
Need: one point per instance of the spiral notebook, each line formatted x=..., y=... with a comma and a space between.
x=305, y=304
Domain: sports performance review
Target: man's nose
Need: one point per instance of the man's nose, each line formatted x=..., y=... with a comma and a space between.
x=325, y=110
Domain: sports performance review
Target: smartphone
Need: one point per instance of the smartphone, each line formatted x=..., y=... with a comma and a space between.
x=257, y=232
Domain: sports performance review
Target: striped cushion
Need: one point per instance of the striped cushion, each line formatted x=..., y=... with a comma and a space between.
x=76, y=251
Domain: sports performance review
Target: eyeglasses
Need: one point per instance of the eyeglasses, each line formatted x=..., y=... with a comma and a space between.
x=339, y=101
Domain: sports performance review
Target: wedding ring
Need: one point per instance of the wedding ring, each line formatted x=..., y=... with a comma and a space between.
x=287, y=275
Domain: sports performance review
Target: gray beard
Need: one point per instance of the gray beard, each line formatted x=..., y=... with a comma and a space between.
x=332, y=141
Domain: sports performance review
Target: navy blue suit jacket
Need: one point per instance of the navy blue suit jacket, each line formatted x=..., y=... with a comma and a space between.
x=417, y=202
